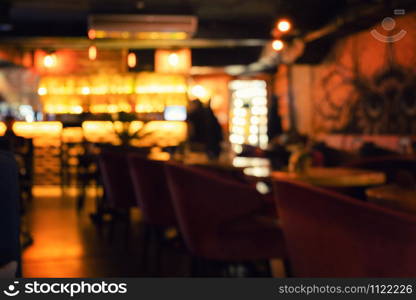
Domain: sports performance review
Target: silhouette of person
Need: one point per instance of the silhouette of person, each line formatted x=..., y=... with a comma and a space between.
x=205, y=131
x=9, y=215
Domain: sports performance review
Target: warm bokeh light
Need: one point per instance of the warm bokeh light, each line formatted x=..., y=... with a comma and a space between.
x=278, y=45
x=248, y=114
x=42, y=91
x=131, y=60
x=3, y=128
x=142, y=92
x=92, y=52
x=92, y=34
x=173, y=59
x=284, y=25
x=151, y=35
x=200, y=92
x=162, y=133
x=49, y=61
x=85, y=90
x=98, y=131
x=38, y=129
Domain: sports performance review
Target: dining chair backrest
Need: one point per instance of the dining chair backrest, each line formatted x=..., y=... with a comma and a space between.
x=332, y=235
x=116, y=179
x=204, y=202
x=151, y=190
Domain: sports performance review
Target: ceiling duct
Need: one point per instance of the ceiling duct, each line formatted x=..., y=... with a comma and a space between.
x=143, y=26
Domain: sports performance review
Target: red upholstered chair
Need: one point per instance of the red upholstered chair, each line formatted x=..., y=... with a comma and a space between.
x=151, y=190
x=118, y=187
x=220, y=219
x=332, y=235
x=237, y=175
x=153, y=197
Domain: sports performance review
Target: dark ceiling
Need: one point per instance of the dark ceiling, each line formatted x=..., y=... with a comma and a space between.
x=221, y=21
x=217, y=18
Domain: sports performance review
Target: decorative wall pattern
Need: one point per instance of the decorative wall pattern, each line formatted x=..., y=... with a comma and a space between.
x=367, y=86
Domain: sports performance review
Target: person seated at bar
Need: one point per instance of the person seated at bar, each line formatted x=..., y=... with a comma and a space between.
x=205, y=133
x=9, y=216
x=10, y=141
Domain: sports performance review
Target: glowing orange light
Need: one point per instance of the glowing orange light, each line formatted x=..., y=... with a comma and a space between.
x=92, y=52
x=173, y=59
x=284, y=25
x=42, y=91
x=278, y=45
x=92, y=34
x=131, y=60
x=49, y=61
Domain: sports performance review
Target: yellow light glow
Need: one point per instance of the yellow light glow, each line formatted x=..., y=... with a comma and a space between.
x=131, y=60
x=181, y=35
x=77, y=109
x=146, y=92
x=164, y=133
x=112, y=108
x=284, y=25
x=92, y=52
x=42, y=91
x=134, y=126
x=49, y=61
x=173, y=59
x=99, y=131
x=154, y=35
x=100, y=34
x=278, y=45
x=177, y=61
x=92, y=34
x=85, y=90
x=200, y=92
x=37, y=129
x=3, y=128
x=72, y=134
x=151, y=35
x=160, y=89
x=125, y=34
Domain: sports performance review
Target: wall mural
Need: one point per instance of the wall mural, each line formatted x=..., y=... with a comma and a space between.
x=354, y=103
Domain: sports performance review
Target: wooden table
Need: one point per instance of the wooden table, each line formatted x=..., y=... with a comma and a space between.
x=393, y=196
x=251, y=166
x=335, y=177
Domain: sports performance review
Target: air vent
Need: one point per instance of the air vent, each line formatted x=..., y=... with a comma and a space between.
x=143, y=26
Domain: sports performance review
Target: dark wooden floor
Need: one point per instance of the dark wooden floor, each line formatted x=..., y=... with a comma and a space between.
x=68, y=244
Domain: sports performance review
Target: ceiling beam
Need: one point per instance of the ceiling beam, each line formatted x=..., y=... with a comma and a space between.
x=84, y=43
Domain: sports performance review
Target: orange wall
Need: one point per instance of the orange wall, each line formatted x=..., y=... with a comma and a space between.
x=318, y=89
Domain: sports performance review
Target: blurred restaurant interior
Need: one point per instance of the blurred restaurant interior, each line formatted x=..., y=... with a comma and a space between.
x=208, y=138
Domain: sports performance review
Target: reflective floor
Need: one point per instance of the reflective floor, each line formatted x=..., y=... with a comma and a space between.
x=68, y=244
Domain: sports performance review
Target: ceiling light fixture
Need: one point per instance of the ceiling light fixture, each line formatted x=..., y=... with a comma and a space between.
x=131, y=60
x=278, y=45
x=49, y=61
x=284, y=25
